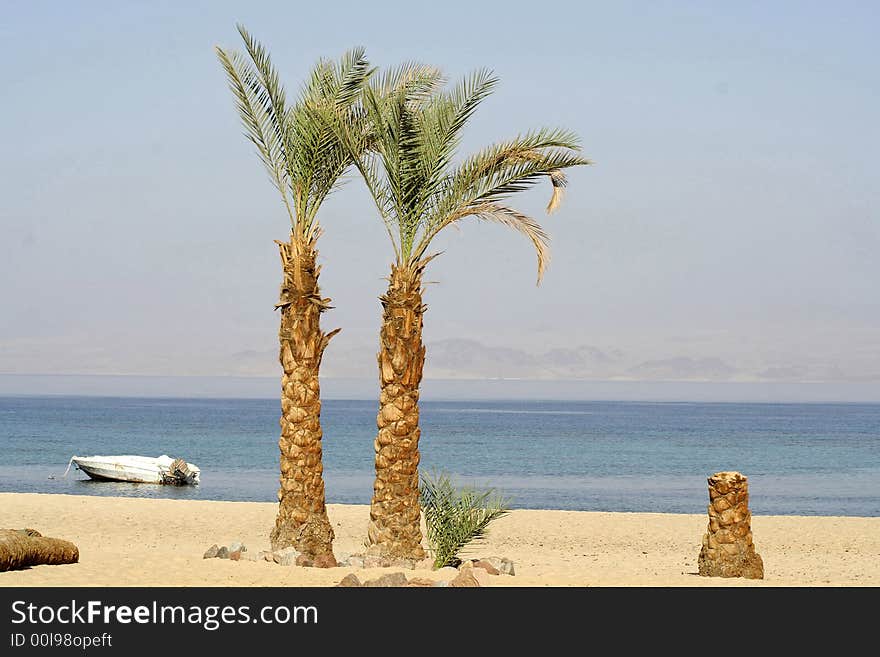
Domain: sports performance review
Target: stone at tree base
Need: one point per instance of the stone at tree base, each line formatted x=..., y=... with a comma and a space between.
x=374, y=561
x=211, y=552
x=488, y=567
x=349, y=580
x=482, y=577
x=285, y=556
x=447, y=572
x=503, y=564
x=324, y=561
x=420, y=582
x=465, y=579
x=728, y=549
x=391, y=579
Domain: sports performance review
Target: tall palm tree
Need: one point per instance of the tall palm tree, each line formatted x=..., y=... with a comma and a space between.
x=298, y=146
x=406, y=159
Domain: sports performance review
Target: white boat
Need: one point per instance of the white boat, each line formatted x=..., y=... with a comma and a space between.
x=142, y=469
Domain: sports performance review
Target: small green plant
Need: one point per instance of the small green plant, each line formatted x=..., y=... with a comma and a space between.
x=456, y=517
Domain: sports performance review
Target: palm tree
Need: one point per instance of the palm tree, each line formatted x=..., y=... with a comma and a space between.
x=405, y=157
x=297, y=144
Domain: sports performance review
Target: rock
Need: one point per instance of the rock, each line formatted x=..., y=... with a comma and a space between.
x=372, y=561
x=420, y=581
x=482, y=564
x=211, y=552
x=403, y=563
x=250, y=556
x=223, y=552
x=236, y=547
x=425, y=564
x=303, y=560
x=447, y=572
x=286, y=559
x=391, y=579
x=285, y=556
x=235, y=556
x=342, y=558
x=479, y=574
x=507, y=567
x=267, y=556
x=465, y=579
x=356, y=561
x=325, y=561
x=350, y=580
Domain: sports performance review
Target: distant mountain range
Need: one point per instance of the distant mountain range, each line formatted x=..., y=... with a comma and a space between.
x=463, y=358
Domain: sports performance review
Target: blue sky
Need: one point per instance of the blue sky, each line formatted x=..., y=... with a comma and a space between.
x=728, y=230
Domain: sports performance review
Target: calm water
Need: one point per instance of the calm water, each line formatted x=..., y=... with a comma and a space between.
x=801, y=459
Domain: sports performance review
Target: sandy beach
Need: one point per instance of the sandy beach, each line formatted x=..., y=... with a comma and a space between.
x=159, y=542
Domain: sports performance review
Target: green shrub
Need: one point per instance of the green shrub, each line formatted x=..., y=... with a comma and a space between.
x=456, y=517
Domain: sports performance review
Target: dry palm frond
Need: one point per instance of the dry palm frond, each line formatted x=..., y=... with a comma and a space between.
x=557, y=178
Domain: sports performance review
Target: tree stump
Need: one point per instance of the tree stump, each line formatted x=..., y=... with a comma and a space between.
x=20, y=548
x=728, y=550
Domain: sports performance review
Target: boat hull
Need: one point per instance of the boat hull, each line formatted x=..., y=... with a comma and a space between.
x=136, y=469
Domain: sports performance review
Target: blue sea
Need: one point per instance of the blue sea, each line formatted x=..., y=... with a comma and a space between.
x=801, y=459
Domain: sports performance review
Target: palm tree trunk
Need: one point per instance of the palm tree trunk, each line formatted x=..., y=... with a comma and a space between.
x=302, y=515
x=394, y=529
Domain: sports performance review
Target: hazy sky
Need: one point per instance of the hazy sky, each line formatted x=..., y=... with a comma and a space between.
x=729, y=229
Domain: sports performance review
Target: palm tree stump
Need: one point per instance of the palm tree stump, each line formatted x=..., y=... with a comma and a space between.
x=22, y=548
x=728, y=550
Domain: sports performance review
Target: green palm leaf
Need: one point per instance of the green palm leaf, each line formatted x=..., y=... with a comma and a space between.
x=456, y=518
x=298, y=143
x=406, y=159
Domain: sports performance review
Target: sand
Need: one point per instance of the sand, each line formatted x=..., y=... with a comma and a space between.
x=159, y=542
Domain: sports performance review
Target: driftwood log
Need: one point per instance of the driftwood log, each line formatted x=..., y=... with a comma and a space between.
x=20, y=548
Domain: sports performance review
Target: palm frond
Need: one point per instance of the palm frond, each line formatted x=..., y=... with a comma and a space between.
x=268, y=89
x=480, y=186
x=414, y=132
x=414, y=80
x=511, y=218
x=298, y=143
x=259, y=128
x=440, y=125
x=456, y=518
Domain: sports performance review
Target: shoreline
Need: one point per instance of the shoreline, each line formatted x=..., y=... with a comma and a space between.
x=160, y=542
